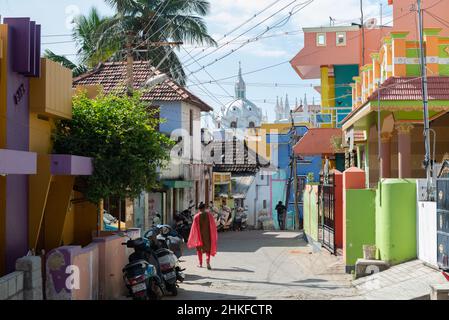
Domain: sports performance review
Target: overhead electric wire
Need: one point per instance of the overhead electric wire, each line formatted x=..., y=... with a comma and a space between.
x=276, y=25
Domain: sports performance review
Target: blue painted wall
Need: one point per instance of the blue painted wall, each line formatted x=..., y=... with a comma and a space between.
x=343, y=92
x=280, y=179
x=172, y=113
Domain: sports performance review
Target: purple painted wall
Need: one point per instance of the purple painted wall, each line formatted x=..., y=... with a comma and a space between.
x=22, y=50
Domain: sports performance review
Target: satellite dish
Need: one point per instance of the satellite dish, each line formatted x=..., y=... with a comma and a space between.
x=371, y=23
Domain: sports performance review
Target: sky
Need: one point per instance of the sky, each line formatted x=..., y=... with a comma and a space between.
x=225, y=15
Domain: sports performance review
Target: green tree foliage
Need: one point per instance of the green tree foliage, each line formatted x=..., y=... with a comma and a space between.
x=135, y=25
x=121, y=135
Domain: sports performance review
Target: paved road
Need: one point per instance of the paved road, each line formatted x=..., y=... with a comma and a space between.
x=265, y=265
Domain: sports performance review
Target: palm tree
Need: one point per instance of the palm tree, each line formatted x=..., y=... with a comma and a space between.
x=136, y=26
x=87, y=34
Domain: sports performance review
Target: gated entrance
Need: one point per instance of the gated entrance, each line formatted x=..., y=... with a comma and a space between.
x=326, y=210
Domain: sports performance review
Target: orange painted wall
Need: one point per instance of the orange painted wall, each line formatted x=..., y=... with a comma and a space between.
x=404, y=20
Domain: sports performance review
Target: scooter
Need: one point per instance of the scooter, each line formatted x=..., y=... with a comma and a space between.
x=240, y=220
x=169, y=264
x=184, y=221
x=140, y=274
x=168, y=238
x=228, y=219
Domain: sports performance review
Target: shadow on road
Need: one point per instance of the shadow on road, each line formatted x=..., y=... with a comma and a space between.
x=253, y=240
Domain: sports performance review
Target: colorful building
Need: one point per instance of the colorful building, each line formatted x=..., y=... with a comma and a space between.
x=333, y=55
x=187, y=177
x=37, y=207
x=383, y=130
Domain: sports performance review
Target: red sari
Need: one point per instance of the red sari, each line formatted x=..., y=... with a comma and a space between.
x=195, y=240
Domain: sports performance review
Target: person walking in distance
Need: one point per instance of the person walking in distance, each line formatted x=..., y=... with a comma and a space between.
x=203, y=235
x=281, y=210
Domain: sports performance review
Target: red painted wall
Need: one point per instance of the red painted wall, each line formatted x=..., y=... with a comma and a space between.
x=338, y=209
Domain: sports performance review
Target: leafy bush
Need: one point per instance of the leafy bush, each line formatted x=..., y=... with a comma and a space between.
x=120, y=134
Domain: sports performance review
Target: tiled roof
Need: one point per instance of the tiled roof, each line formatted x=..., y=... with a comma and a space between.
x=235, y=157
x=409, y=88
x=317, y=141
x=112, y=77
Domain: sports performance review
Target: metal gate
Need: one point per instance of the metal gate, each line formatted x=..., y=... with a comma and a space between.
x=326, y=211
x=443, y=223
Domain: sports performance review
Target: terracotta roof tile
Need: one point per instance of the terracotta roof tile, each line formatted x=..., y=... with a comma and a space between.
x=409, y=88
x=112, y=77
x=236, y=158
x=317, y=141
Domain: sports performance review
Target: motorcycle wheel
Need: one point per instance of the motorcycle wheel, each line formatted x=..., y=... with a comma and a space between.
x=154, y=292
x=173, y=289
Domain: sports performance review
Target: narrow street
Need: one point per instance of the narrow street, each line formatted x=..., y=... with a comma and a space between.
x=265, y=265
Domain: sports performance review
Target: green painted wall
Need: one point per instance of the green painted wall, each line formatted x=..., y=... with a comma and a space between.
x=360, y=222
x=443, y=68
x=311, y=211
x=396, y=220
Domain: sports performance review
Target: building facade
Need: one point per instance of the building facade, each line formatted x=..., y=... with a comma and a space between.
x=36, y=207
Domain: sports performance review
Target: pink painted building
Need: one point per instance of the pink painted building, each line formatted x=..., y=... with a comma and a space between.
x=334, y=55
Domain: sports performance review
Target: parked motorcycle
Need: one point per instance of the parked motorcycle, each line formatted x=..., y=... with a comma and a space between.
x=168, y=238
x=183, y=222
x=169, y=264
x=141, y=274
x=241, y=219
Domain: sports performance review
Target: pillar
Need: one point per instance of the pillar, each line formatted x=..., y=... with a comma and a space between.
x=404, y=149
x=399, y=52
x=385, y=157
x=432, y=50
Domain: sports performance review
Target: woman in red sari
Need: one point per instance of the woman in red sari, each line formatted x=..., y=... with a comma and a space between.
x=203, y=235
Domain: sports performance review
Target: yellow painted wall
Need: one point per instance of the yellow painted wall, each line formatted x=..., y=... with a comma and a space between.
x=85, y=223
x=40, y=133
x=51, y=93
x=68, y=234
x=39, y=186
x=58, y=204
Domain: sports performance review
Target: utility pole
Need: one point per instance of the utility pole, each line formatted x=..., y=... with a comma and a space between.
x=129, y=64
x=425, y=97
x=293, y=178
x=381, y=13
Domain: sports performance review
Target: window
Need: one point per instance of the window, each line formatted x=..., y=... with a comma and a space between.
x=191, y=123
x=234, y=124
x=252, y=125
x=265, y=204
x=321, y=39
x=341, y=39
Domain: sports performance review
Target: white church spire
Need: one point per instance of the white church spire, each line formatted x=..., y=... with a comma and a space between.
x=240, y=86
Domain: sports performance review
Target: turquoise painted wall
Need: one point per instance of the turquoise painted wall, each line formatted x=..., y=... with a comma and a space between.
x=396, y=220
x=343, y=92
x=360, y=223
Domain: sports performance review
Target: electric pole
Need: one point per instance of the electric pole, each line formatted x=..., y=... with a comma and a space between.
x=425, y=97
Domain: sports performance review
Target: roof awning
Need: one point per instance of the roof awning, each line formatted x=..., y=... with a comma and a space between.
x=177, y=184
x=317, y=141
x=241, y=185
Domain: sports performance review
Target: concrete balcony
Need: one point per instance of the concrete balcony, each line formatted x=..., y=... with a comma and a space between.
x=51, y=93
x=17, y=162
